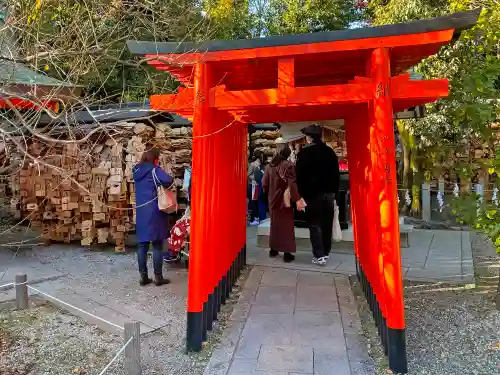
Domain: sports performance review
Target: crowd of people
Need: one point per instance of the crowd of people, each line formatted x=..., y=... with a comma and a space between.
x=306, y=179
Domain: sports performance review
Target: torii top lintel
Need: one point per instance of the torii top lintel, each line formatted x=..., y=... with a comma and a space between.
x=316, y=69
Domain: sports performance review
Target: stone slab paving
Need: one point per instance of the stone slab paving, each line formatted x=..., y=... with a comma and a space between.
x=433, y=255
x=293, y=322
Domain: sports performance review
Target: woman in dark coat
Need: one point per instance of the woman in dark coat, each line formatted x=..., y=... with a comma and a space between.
x=280, y=175
x=151, y=223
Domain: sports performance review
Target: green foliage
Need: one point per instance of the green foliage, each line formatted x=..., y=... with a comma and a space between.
x=443, y=138
x=479, y=215
x=488, y=222
x=228, y=19
x=383, y=12
x=305, y=16
x=256, y=18
x=83, y=42
x=472, y=66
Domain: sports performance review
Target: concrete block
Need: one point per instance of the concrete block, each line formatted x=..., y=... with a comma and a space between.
x=316, y=279
x=286, y=359
x=317, y=329
x=279, y=277
x=275, y=296
x=316, y=298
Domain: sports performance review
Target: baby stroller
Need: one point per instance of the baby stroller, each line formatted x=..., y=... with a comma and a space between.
x=178, y=243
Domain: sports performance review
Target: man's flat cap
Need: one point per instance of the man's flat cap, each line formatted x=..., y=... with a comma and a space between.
x=312, y=130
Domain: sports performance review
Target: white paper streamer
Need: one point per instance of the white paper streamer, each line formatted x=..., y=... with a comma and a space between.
x=407, y=197
x=440, y=200
x=456, y=190
x=479, y=189
x=495, y=196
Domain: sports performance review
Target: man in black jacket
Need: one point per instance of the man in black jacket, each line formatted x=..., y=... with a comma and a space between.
x=318, y=177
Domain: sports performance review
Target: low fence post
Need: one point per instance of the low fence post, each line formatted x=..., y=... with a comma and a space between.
x=21, y=283
x=426, y=201
x=441, y=185
x=132, y=363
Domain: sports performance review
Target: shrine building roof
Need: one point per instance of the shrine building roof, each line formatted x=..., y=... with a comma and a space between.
x=457, y=22
x=322, y=58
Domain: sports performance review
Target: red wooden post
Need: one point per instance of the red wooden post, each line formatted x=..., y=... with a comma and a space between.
x=384, y=182
x=358, y=155
x=218, y=198
x=202, y=177
x=243, y=165
x=211, y=162
x=364, y=206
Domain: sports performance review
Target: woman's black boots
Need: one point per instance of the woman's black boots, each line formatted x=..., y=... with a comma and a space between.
x=145, y=280
x=287, y=257
x=159, y=280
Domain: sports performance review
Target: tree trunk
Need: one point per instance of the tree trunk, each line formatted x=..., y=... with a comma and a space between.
x=407, y=172
x=418, y=177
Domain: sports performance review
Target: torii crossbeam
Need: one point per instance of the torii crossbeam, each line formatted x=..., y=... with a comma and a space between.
x=358, y=75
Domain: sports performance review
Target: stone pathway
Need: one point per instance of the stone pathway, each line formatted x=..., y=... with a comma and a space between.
x=290, y=322
x=433, y=255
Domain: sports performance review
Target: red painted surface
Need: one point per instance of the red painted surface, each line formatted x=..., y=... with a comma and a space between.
x=408, y=49
x=26, y=104
x=361, y=81
x=384, y=202
x=405, y=94
x=201, y=184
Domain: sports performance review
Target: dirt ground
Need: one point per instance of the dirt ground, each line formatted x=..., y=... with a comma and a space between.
x=45, y=340
x=450, y=329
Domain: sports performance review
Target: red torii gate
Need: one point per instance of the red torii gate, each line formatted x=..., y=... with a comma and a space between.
x=358, y=75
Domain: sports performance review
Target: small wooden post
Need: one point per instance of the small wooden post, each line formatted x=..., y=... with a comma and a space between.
x=426, y=201
x=441, y=185
x=132, y=363
x=21, y=283
x=481, y=185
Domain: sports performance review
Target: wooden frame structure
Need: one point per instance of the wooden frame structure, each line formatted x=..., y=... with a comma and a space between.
x=358, y=75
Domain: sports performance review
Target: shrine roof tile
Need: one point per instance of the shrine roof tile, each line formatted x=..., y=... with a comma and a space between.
x=457, y=21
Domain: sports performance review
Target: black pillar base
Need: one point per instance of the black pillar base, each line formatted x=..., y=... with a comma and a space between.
x=396, y=340
x=219, y=295
x=223, y=289
x=216, y=302
x=232, y=273
x=229, y=285
x=392, y=340
x=210, y=311
x=198, y=323
x=194, y=337
x=204, y=323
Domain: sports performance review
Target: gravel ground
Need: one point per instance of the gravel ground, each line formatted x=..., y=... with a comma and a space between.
x=451, y=330
x=115, y=278
x=46, y=341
